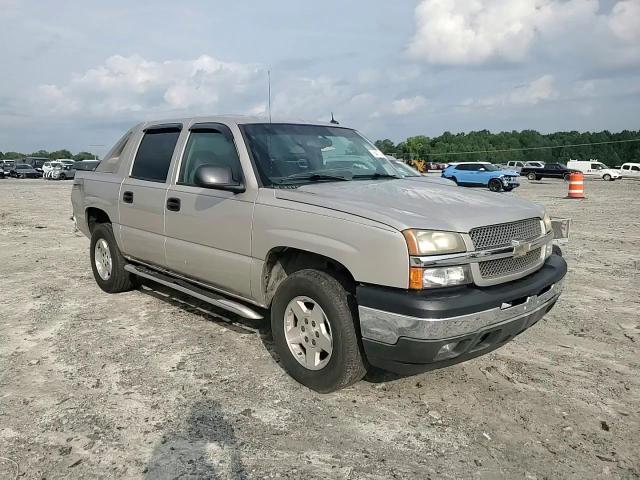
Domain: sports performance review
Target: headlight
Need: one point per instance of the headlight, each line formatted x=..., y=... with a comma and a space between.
x=547, y=223
x=428, y=242
x=439, y=277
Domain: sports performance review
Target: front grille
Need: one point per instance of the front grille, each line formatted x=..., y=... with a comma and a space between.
x=508, y=266
x=501, y=235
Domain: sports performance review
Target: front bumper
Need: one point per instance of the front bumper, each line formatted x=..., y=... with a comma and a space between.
x=410, y=332
x=510, y=182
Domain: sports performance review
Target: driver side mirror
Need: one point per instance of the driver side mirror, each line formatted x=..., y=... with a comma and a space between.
x=217, y=178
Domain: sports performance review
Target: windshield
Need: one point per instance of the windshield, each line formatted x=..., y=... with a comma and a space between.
x=489, y=167
x=290, y=154
x=405, y=170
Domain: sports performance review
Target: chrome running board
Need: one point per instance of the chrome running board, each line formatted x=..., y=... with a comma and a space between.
x=197, y=292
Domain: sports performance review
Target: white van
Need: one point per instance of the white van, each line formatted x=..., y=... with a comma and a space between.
x=630, y=170
x=594, y=168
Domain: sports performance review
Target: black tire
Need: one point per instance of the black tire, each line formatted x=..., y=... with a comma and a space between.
x=120, y=280
x=346, y=364
x=507, y=189
x=62, y=177
x=495, y=185
x=607, y=178
x=21, y=176
x=454, y=179
x=566, y=177
x=531, y=176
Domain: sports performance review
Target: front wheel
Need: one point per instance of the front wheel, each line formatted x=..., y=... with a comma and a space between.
x=62, y=176
x=495, y=185
x=108, y=263
x=607, y=177
x=455, y=180
x=314, y=331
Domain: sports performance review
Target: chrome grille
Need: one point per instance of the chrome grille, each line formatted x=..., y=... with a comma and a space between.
x=501, y=235
x=509, y=265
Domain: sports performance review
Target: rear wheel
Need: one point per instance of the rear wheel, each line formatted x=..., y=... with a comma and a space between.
x=62, y=176
x=108, y=263
x=314, y=331
x=495, y=185
x=531, y=176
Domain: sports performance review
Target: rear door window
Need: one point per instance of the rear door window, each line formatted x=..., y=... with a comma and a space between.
x=154, y=154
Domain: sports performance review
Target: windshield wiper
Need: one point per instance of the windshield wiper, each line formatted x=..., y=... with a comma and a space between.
x=316, y=177
x=377, y=175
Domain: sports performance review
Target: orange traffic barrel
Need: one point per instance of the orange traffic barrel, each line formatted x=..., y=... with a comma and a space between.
x=576, y=185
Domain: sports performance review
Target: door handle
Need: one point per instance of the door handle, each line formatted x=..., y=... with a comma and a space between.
x=127, y=197
x=173, y=204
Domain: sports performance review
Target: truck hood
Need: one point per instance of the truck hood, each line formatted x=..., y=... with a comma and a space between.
x=404, y=203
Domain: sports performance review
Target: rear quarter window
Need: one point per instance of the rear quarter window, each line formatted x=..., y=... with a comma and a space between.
x=113, y=158
x=154, y=155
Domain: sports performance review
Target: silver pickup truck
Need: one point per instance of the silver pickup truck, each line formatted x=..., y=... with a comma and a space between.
x=311, y=225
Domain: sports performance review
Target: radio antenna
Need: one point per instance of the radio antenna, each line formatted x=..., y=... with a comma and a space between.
x=269, y=90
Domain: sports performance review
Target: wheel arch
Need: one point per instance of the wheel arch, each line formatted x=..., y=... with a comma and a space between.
x=94, y=216
x=282, y=261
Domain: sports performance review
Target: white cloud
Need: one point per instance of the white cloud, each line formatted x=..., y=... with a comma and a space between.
x=625, y=21
x=133, y=84
x=405, y=106
x=473, y=32
x=539, y=90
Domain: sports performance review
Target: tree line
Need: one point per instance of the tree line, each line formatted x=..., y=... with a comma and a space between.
x=50, y=155
x=440, y=149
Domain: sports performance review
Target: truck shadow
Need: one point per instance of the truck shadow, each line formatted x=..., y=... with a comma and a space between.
x=200, y=308
x=239, y=324
x=205, y=446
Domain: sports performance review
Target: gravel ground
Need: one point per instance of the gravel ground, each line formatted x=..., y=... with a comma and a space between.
x=149, y=384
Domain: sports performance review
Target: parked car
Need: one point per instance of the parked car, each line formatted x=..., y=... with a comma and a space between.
x=518, y=165
x=593, y=168
x=22, y=170
x=63, y=171
x=48, y=167
x=310, y=225
x=484, y=174
x=630, y=170
x=86, y=165
x=550, y=170
x=7, y=165
x=35, y=162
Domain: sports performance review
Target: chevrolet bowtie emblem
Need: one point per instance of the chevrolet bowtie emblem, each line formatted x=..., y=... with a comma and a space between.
x=520, y=248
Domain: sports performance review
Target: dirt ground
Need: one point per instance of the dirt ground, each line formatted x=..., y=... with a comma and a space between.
x=150, y=384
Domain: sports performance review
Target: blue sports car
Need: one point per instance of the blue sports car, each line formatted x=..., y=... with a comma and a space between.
x=482, y=174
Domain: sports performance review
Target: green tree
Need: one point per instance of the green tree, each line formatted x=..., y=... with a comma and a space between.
x=84, y=156
x=386, y=146
x=60, y=154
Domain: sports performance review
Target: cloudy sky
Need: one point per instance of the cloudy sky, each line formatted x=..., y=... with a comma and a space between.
x=79, y=73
